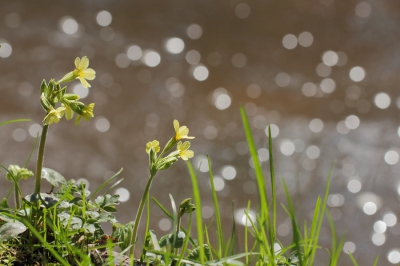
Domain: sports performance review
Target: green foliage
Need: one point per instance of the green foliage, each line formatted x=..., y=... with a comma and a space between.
x=65, y=226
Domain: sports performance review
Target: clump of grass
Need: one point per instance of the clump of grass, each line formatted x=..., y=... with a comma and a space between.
x=64, y=226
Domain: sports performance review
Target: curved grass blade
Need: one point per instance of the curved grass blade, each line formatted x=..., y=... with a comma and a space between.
x=33, y=148
x=105, y=183
x=14, y=121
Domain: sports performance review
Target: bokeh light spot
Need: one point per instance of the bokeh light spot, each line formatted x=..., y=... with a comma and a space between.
x=200, y=73
x=289, y=41
x=357, y=74
x=382, y=100
x=391, y=157
x=194, y=31
x=102, y=124
x=175, y=45
x=354, y=186
x=242, y=10
x=151, y=58
x=306, y=39
x=104, y=18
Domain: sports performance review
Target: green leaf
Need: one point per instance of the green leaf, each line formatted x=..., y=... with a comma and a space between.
x=177, y=239
x=195, y=254
x=107, y=202
x=53, y=177
x=165, y=240
x=48, y=200
x=10, y=230
x=4, y=204
x=73, y=222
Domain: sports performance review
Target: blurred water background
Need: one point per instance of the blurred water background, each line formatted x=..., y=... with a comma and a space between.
x=323, y=73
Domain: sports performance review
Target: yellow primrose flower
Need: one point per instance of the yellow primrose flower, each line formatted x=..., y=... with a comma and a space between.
x=153, y=144
x=181, y=132
x=184, y=151
x=87, y=113
x=68, y=112
x=82, y=72
x=54, y=116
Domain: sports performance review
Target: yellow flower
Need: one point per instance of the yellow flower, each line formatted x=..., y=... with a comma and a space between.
x=87, y=113
x=184, y=151
x=181, y=132
x=153, y=144
x=68, y=112
x=82, y=72
x=54, y=116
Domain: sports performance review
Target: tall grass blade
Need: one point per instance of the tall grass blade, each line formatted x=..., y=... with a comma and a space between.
x=296, y=238
x=315, y=235
x=105, y=184
x=199, y=221
x=33, y=148
x=233, y=234
x=376, y=260
x=185, y=242
x=217, y=213
x=257, y=168
x=44, y=243
x=273, y=187
x=353, y=259
x=14, y=121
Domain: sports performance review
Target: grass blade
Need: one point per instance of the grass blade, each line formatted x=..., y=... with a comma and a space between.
x=233, y=235
x=105, y=183
x=199, y=220
x=257, y=168
x=217, y=213
x=273, y=187
x=296, y=238
x=14, y=121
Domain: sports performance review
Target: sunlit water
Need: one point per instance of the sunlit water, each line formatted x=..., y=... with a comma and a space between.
x=321, y=74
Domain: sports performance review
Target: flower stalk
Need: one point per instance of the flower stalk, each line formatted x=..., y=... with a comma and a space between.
x=39, y=164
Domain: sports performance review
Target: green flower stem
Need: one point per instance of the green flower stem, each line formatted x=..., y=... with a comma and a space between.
x=139, y=215
x=39, y=164
x=16, y=195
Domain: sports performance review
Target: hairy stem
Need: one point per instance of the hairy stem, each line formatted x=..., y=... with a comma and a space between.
x=139, y=215
x=39, y=164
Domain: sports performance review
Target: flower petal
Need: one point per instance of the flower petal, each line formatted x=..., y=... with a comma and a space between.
x=185, y=145
x=84, y=82
x=84, y=63
x=89, y=74
x=77, y=61
x=176, y=125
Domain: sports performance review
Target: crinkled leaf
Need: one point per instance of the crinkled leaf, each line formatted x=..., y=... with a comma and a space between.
x=164, y=240
x=48, y=199
x=53, y=177
x=177, y=239
x=294, y=257
x=10, y=230
x=107, y=202
x=65, y=218
x=106, y=217
x=195, y=253
x=93, y=214
x=5, y=218
x=90, y=228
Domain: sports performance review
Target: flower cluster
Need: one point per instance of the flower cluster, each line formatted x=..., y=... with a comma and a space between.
x=52, y=93
x=182, y=149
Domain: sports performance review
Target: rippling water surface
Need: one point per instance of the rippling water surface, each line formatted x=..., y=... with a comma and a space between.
x=322, y=73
